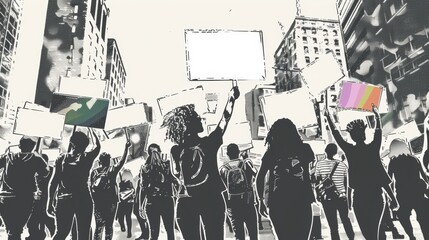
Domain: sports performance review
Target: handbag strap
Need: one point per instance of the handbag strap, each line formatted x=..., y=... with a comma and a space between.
x=333, y=170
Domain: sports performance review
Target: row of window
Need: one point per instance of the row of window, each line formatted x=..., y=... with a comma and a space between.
x=314, y=31
x=316, y=50
x=326, y=41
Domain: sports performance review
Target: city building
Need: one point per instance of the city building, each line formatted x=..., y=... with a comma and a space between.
x=75, y=44
x=254, y=112
x=305, y=40
x=116, y=75
x=387, y=43
x=10, y=21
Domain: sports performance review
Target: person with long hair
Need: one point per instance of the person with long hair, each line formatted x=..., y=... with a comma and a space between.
x=126, y=203
x=367, y=176
x=105, y=193
x=157, y=188
x=70, y=182
x=290, y=192
x=198, y=168
x=140, y=212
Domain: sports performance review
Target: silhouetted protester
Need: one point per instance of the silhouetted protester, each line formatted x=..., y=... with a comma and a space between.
x=367, y=176
x=197, y=159
x=157, y=187
x=70, y=182
x=39, y=219
x=105, y=194
x=18, y=186
x=126, y=203
x=238, y=175
x=140, y=214
x=332, y=206
x=290, y=191
x=411, y=184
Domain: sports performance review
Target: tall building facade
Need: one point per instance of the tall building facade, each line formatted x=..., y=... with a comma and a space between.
x=10, y=20
x=116, y=75
x=387, y=43
x=75, y=44
x=305, y=40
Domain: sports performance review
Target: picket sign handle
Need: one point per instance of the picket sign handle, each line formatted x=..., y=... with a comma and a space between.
x=74, y=130
x=126, y=134
x=38, y=144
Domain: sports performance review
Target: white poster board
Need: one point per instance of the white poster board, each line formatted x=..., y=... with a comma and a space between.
x=322, y=74
x=295, y=105
x=224, y=55
x=33, y=106
x=127, y=116
x=38, y=124
x=82, y=87
x=115, y=147
x=318, y=146
x=346, y=116
x=406, y=132
x=194, y=96
x=238, y=133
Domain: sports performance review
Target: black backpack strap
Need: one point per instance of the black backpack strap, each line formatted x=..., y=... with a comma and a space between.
x=333, y=170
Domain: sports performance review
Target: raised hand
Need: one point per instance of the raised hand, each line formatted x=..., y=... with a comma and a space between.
x=234, y=94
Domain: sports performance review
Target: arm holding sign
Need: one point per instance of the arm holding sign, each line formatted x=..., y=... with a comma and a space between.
x=377, y=133
x=94, y=152
x=229, y=108
x=118, y=166
x=337, y=136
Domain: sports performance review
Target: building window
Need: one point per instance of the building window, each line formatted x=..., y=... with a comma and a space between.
x=305, y=49
x=325, y=32
x=307, y=59
x=313, y=30
x=93, y=7
x=336, y=42
x=327, y=50
x=337, y=51
x=304, y=39
x=76, y=8
x=341, y=63
x=335, y=32
x=316, y=50
x=304, y=31
x=326, y=41
x=314, y=40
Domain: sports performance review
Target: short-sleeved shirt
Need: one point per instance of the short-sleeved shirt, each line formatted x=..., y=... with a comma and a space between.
x=248, y=170
x=366, y=170
x=406, y=171
x=206, y=171
x=111, y=192
x=157, y=181
x=74, y=174
x=19, y=171
x=282, y=190
x=324, y=168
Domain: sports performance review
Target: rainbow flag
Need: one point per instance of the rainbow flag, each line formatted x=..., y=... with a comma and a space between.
x=359, y=96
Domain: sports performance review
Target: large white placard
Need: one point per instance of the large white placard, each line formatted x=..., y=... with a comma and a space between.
x=38, y=124
x=224, y=55
x=318, y=146
x=127, y=116
x=194, y=96
x=82, y=87
x=406, y=132
x=295, y=105
x=322, y=74
x=115, y=147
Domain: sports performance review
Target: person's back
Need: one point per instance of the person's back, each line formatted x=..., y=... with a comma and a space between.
x=324, y=168
x=406, y=171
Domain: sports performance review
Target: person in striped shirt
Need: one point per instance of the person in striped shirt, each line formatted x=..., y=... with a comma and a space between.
x=323, y=170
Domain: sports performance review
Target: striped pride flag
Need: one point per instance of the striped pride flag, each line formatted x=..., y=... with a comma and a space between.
x=359, y=96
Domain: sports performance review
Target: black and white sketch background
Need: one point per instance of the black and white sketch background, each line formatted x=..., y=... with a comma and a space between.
x=150, y=36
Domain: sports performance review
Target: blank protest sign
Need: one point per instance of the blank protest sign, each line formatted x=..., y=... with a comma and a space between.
x=194, y=96
x=322, y=74
x=38, y=124
x=115, y=147
x=295, y=105
x=406, y=132
x=82, y=87
x=224, y=55
x=131, y=115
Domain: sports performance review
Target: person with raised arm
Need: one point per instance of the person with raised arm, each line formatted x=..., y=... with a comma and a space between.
x=105, y=193
x=367, y=176
x=198, y=169
x=70, y=182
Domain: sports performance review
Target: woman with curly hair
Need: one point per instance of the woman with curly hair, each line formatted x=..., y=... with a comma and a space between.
x=196, y=160
x=290, y=191
x=367, y=176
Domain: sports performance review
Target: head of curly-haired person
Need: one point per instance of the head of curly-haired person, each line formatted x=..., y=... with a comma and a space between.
x=79, y=142
x=181, y=123
x=283, y=135
x=356, y=129
x=104, y=159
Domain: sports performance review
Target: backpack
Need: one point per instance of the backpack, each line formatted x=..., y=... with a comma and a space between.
x=287, y=171
x=236, y=181
x=102, y=180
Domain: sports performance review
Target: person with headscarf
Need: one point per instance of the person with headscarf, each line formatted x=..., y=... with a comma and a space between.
x=367, y=176
x=105, y=193
x=290, y=191
x=196, y=158
x=69, y=183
